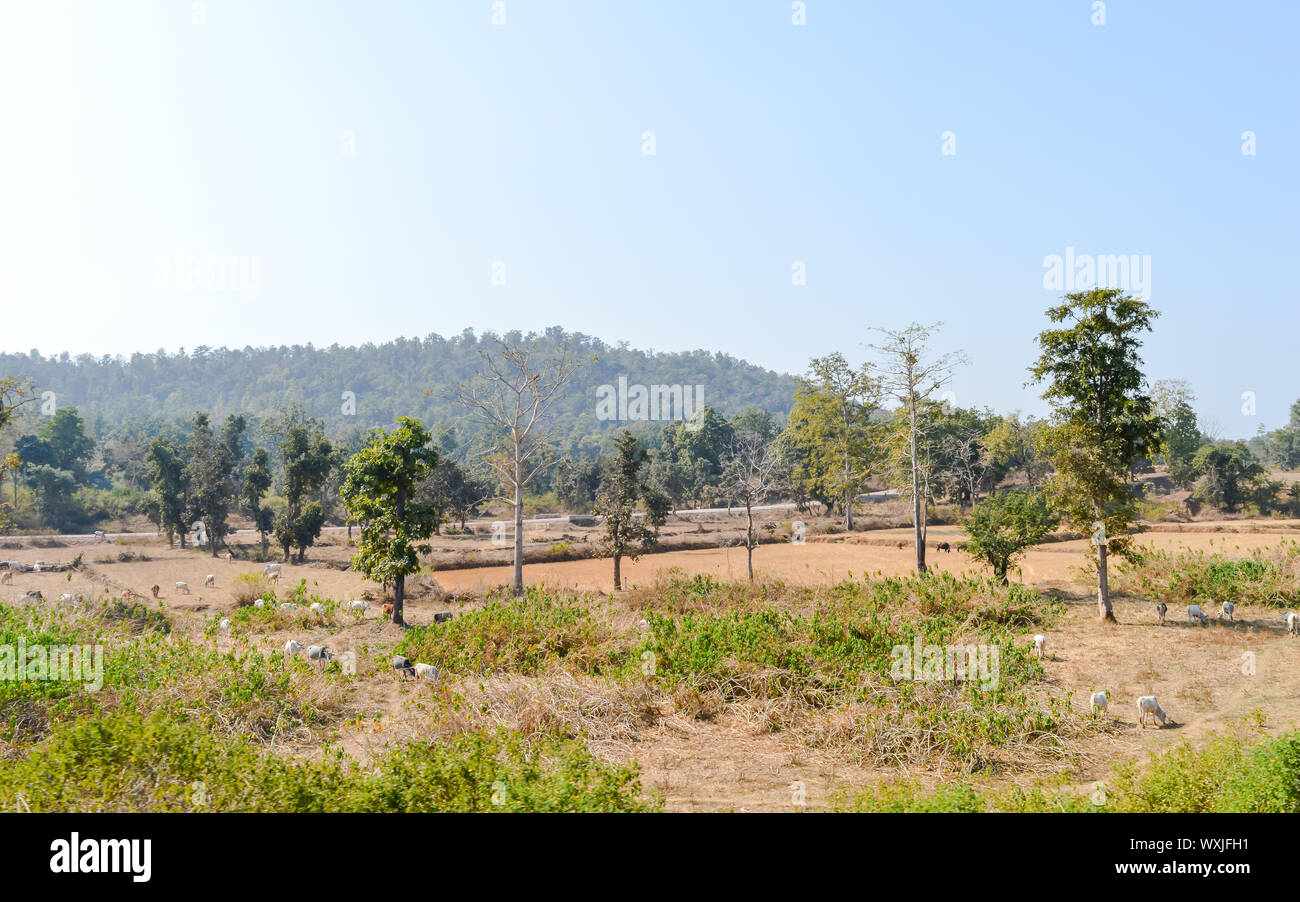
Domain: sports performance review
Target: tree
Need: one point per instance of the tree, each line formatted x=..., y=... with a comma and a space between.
x=379, y=491
x=257, y=482
x=753, y=474
x=905, y=375
x=307, y=457
x=65, y=434
x=622, y=487
x=210, y=472
x=171, y=485
x=513, y=393
x=1004, y=526
x=831, y=435
x=1103, y=420
x=575, y=483
x=1226, y=475
x=451, y=489
x=1015, y=444
x=54, y=490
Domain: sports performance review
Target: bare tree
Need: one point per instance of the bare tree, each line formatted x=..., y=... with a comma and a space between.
x=513, y=393
x=909, y=378
x=754, y=472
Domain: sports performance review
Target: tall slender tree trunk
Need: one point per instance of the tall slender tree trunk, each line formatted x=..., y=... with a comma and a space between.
x=749, y=540
x=918, y=526
x=399, y=581
x=518, y=584
x=1104, y=610
x=618, y=572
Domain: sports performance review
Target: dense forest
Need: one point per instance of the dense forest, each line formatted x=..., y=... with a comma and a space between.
x=150, y=393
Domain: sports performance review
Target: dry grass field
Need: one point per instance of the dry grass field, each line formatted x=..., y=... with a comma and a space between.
x=740, y=756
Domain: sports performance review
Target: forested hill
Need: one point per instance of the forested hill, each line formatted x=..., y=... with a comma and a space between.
x=407, y=376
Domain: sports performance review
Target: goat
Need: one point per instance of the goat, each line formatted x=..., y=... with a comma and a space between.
x=183, y=588
x=1196, y=615
x=1147, y=705
x=1161, y=610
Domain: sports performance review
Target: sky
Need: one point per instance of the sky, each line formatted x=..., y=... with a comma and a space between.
x=178, y=174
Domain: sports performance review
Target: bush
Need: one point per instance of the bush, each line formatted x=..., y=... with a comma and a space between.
x=249, y=587
x=1269, y=577
x=129, y=762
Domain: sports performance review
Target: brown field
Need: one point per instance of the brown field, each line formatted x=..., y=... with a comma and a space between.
x=732, y=762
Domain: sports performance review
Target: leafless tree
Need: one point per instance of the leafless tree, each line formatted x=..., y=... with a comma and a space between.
x=754, y=472
x=906, y=375
x=513, y=392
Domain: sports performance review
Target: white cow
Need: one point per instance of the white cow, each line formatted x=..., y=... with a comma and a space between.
x=209, y=581
x=1195, y=615
x=1099, y=702
x=183, y=588
x=1149, y=707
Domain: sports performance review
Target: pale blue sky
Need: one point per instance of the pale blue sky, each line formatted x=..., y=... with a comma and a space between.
x=129, y=133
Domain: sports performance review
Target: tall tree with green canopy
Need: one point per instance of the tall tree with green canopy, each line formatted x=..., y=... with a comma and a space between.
x=831, y=436
x=171, y=485
x=622, y=488
x=1103, y=419
x=257, y=482
x=65, y=433
x=307, y=457
x=380, y=493
x=210, y=472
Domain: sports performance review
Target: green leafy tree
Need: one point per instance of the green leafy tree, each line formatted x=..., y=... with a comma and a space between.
x=1226, y=475
x=622, y=487
x=831, y=435
x=257, y=482
x=65, y=433
x=55, y=492
x=171, y=486
x=210, y=471
x=1103, y=420
x=1015, y=444
x=307, y=457
x=380, y=493
x=1004, y=526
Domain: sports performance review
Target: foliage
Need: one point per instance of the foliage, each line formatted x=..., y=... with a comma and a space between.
x=1004, y=526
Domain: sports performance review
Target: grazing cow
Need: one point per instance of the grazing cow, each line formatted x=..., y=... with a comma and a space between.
x=292, y=646
x=183, y=588
x=1161, y=610
x=442, y=617
x=319, y=653
x=270, y=568
x=35, y=595
x=403, y=666
x=943, y=546
x=155, y=589
x=1292, y=621
x=1149, y=707
x=1195, y=615
x=7, y=578
x=388, y=610
x=426, y=672
x=902, y=545
x=210, y=581
x=1099, y=702
x=1040, y=645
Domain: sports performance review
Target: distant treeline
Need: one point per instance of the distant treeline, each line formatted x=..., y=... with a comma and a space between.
x=371, y=385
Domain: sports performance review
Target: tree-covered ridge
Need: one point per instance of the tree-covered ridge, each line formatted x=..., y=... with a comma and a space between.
x=404, y=377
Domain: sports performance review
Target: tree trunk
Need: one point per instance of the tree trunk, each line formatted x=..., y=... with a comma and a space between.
x=399, y=592
x=918, y=528
x=518, y=584
x=749, y=540
x=1104, y=610
x=618, y=572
